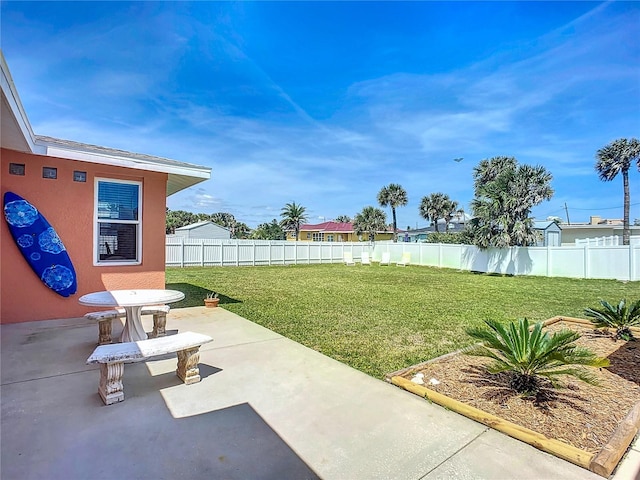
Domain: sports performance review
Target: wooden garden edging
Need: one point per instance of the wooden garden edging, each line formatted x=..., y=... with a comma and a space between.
x=601, y=463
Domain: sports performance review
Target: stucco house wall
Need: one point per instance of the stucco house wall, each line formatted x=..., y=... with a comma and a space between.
x=571, y=233
x=333, y=232
x=69, y=207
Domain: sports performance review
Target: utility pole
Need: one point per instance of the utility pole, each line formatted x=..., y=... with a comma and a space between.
x=566, y=209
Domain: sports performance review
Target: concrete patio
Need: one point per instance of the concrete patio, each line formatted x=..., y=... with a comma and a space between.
x=266, y=408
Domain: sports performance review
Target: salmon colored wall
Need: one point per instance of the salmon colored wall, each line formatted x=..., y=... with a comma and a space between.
x=68, y=206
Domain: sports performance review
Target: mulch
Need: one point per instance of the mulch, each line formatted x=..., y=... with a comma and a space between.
x=578, y=414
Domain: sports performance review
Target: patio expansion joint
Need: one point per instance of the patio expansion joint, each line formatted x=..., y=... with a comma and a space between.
x=484, y=430
x=46, y=377
x=212, y=346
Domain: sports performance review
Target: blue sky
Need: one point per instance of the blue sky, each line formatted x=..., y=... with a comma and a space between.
x=325, y=103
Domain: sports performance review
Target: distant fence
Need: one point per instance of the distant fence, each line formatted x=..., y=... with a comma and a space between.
x=610, y=241
x=610, y=262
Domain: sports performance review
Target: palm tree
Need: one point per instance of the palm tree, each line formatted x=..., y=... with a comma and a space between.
x=393, y=195
x=343, y=219
x=615, y=158
x=370, y=221
x=292, y=217
x=223, y=219
x=438, y=205
x=505, y=193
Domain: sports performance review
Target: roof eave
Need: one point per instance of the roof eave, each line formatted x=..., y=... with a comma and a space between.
x=181, y=175
x=17, y=133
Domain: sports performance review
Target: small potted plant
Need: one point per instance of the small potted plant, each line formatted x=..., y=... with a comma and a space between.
x=212, y=300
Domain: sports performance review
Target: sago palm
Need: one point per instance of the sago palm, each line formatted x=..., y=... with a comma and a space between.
x=531, y=353
x=620, y=317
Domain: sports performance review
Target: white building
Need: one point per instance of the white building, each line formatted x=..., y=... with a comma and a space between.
x=205, y=229
x=597, y=228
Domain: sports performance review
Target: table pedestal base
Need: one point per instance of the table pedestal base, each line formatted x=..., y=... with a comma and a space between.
x=133, y=330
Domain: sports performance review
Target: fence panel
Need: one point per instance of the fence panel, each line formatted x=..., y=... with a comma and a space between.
x=607, y=262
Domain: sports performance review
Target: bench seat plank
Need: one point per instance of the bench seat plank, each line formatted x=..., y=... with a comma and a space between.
x=112, y=357
x=136, y=351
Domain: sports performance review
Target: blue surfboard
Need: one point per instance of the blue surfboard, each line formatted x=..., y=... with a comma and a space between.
x=40, y=245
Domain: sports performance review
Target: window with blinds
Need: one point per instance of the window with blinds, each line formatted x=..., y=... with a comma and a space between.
x=118, y=223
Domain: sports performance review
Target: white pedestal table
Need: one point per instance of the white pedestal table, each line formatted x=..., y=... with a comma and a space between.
x=132, y=301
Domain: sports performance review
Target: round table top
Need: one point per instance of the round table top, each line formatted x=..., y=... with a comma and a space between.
x=130, y=298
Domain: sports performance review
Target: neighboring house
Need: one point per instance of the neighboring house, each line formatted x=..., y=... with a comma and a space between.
x=597, y=227
x=416, y=235
x=550, y=233
x=204, y=229
x=334, y=232
x=456, y=224
x=107, y=206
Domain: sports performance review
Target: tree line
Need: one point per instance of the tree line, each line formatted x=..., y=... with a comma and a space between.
x=505, y=192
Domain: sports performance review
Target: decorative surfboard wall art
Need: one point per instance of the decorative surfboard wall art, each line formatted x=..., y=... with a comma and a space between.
x=40, y=245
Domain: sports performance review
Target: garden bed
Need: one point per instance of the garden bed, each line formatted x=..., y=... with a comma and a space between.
x=591, y=426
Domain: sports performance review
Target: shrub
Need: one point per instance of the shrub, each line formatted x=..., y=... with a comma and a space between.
x=530, y=354
x=620, y=317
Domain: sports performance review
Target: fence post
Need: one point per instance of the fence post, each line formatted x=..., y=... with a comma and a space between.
x=253, y=259
x=548, y=260
x=631, y=262
x=181, y=252
x=202, y=252
x=587, y=270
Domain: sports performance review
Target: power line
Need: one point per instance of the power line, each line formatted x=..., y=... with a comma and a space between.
x=606, y=208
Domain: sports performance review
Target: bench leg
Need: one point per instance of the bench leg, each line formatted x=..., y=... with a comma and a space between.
x=159, y=325
x=188, y=370
x=104, y=331
x=111, y=389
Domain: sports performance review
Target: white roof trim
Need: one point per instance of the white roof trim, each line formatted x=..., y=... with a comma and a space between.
x=71, y=154
x=10, y=92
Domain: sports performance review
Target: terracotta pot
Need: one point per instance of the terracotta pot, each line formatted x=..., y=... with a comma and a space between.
x=211, y=302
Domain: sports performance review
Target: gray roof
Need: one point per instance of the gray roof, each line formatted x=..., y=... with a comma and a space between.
x=199, y=224
x=114, y=152
x=544, y=224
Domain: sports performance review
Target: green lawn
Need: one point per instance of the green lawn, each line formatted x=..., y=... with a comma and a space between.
x=380, y=319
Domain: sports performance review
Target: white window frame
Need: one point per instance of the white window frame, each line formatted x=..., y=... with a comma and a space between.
x=318, y=236
x=96, y=222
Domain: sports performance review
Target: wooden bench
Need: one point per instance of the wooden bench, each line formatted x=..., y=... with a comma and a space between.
x=112, y=358
x=105, y=317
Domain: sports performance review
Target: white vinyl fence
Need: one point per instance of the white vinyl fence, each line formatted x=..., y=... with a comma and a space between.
x=185, y=252
x=606, y=262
